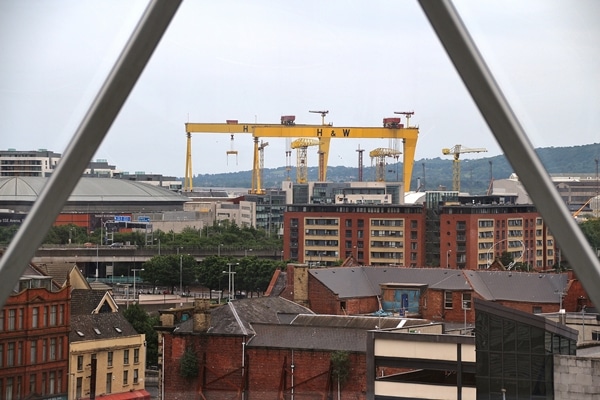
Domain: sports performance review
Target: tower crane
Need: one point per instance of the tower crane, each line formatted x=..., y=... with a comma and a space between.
x=301, y=145
x=391, y=129
x=379, y=155
x=457, y=150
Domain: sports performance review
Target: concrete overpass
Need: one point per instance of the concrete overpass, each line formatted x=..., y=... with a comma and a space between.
x=135, y=255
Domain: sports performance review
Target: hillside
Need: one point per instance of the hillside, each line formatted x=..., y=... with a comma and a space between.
x=433, y=173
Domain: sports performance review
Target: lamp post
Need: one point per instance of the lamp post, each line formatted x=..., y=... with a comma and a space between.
x=134, y=271
x=180, y=275
x=230, y=274
x=219, y=249
x=448, y=258
x=246, y=252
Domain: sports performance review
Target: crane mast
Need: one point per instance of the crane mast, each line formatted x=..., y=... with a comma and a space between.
x=456, y=151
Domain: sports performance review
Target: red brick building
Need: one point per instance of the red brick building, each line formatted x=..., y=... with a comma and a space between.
x=374, y=234
x=34, y=345
x=430, y=293
x=262, y=348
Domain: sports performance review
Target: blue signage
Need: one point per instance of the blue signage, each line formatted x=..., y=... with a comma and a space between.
x=143, y=219
x=122, y=218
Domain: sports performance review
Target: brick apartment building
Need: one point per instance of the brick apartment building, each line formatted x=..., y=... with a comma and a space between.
x=34, y=339
x=446, y=231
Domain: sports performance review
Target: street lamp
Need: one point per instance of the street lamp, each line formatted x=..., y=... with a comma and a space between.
x=230, y=274
x=219, y=249
x=134, y=271
x=448, y=258
x=180, y=274
x=246, y=252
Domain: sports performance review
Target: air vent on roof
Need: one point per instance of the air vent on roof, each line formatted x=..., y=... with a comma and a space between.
x=80, y=333
x=118, y=329
x=97, y=331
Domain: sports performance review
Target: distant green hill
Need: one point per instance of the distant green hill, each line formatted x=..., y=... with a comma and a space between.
x=432, y=173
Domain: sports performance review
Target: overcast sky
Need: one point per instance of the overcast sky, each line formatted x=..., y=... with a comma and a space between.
x=258, y=60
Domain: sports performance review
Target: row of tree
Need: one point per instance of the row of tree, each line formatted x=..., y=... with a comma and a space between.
x=252, y=274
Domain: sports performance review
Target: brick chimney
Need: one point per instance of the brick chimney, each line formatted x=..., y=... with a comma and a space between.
x=201, y=315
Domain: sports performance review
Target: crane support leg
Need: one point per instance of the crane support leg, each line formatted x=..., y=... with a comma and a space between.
x=323, y=157
x=188, y=185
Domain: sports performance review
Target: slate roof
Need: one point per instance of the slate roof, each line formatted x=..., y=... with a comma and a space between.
x=308, y=337
x=356, y=282
x=237, y=316
x=364, y=281
x=84, y=301
x=517, y=286
x=362, y=322
x=58, y=271
x=105, y=323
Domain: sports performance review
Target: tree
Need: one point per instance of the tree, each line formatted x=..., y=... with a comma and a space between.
x=340, y=367
x=165, y=270
x=210, y=272
x=143, y=323
x=254, y=274
x=188, y=365
x=591, y=230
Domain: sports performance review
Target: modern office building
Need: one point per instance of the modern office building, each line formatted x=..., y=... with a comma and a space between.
x=40, y=162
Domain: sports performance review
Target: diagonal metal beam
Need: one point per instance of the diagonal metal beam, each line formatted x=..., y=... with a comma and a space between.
x=514, y=142
x=86, y=140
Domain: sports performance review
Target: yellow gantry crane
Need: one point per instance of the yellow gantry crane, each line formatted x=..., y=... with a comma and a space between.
x=457, y=150
x=380, y=155
x=301, y=145
x=392, y=129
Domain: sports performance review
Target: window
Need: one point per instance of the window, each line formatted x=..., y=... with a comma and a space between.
x=52, y=315
x=33, y=352
x=32, y=383
x=1, y=320
x=110, y=359
x=136, y=356
x=61, y=314
x=10, y=355
x=466, y=301
x=45, y=317
x=447, y=299
x=44, y=349
x=536, y=310
x=19, y=353
x=135, y=376
x=12, y=314
x=52, y=383
x=125, y=377
x=52, y=349
x=79, y=387
x=79, y=363
x=1, y=355
x=109, y=383
x=34, y=317
x=20, y=319
x=126, y=356
x=8, y=395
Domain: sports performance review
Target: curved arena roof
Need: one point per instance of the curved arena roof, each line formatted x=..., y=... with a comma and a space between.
x=22, y=191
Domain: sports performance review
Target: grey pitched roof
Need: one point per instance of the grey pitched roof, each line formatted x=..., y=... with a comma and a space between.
x=58, y=271
x=237, y=316
x=84, y=301
x=491, y=285
x=107, y=324
x=309, y=337
x=364, y=281
x=362, y=322
x=517, y=286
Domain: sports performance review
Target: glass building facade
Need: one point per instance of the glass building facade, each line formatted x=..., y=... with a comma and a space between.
x=515, y=352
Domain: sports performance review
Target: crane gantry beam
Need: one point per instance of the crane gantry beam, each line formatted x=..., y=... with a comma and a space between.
x=322, y=132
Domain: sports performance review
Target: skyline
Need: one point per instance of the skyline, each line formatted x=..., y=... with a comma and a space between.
x=351, y=61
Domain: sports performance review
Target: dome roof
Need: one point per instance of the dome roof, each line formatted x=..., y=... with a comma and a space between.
x=88, y=190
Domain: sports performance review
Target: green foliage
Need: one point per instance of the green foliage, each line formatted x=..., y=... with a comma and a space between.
x=254, y=274
x=340, y=364
x=7, y=233
x=591, y=230
x=165, y=270
x=143, y=323
x=188, y=365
